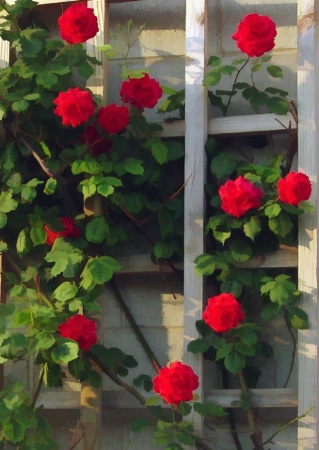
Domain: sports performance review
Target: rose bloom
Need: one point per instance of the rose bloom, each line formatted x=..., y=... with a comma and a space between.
x=141, y=92
x=81, y=330
x=74, y=106
x=239, y=196
x=78, y=24
x=255, y=34
x=223, y=312
x=294, y=188
x=69, y=230
x=113, y=118
x=95, y=141
x=176, y=383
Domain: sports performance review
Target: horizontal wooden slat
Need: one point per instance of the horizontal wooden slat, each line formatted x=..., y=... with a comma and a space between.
x=260, y=398
x=282, y=258
x=237, y=125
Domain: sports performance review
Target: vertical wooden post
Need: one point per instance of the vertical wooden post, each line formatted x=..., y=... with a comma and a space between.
x=91, y=399
x=308, y=106
x=195, y=166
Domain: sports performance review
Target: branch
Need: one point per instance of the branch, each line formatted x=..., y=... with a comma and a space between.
x=38, y=158
x=135, y=327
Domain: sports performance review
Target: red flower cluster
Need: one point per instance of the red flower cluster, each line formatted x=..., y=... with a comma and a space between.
x=78, y=24
x=239, y=196
x=176, y=383
x=81, y=330
x=113, y=118
x=95, y=141
x=74, y=106
x=141, y=92
x=255, y=34
x=294, y=188
x=223, y=312
x=69, y=230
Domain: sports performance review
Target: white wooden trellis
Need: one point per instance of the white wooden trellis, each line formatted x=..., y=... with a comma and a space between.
x=195, y=129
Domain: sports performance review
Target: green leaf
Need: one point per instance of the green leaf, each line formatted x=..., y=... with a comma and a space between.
x=240, y=251
x=223, y=166
x=46, y=79
x=50, y=186
x=272, y=210
x=198, y=346
x=275, y=71
x=133, y=166
x=152, y=401
x=256, y=67
x=65, y=352
x=66, y=291
x=3, y=220
x=234, y=362
x=99, y=270
x=205, y=409
x=297, y=318
x=277, y=105
x=252, y=227
x=138, y=425
x=185, y=439
x=38, y=235
x=7, y=203
x=105, y=189
x=212, y=78
x=227, y=70
x=97, y=230
x=245, y=349
x=184, y=409
x=214, y=61
x=144, y=381
x=248, y=336
x=159, y=152
x=270, y=311
x=205, y=264
x=3, y=247
x=174, y=446
x=163, y=250
x=281, y=225
x=20, y=105
x=224, y=351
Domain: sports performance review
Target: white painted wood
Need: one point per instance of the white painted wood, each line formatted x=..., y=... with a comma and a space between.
x=236, y=125
x=284, y=257
x=195, y=167
x=308, y=107
x=121, y=400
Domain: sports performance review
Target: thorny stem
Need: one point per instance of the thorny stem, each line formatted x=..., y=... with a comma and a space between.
x=233, y=87
x=293, y=355
x=146, y=347
x=255, y=434
x=286, y=425
x=38, y=388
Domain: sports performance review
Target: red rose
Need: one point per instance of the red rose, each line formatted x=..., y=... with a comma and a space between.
x=239, y=196
x=294, y=188
x=78, y=24
x=113, y=118
x=74, y=106
x=141, y=92
x=223, y=312
x=95, y=141
x=81, y=330
x=69, y=230
x=176, y=383
x=255, y=34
